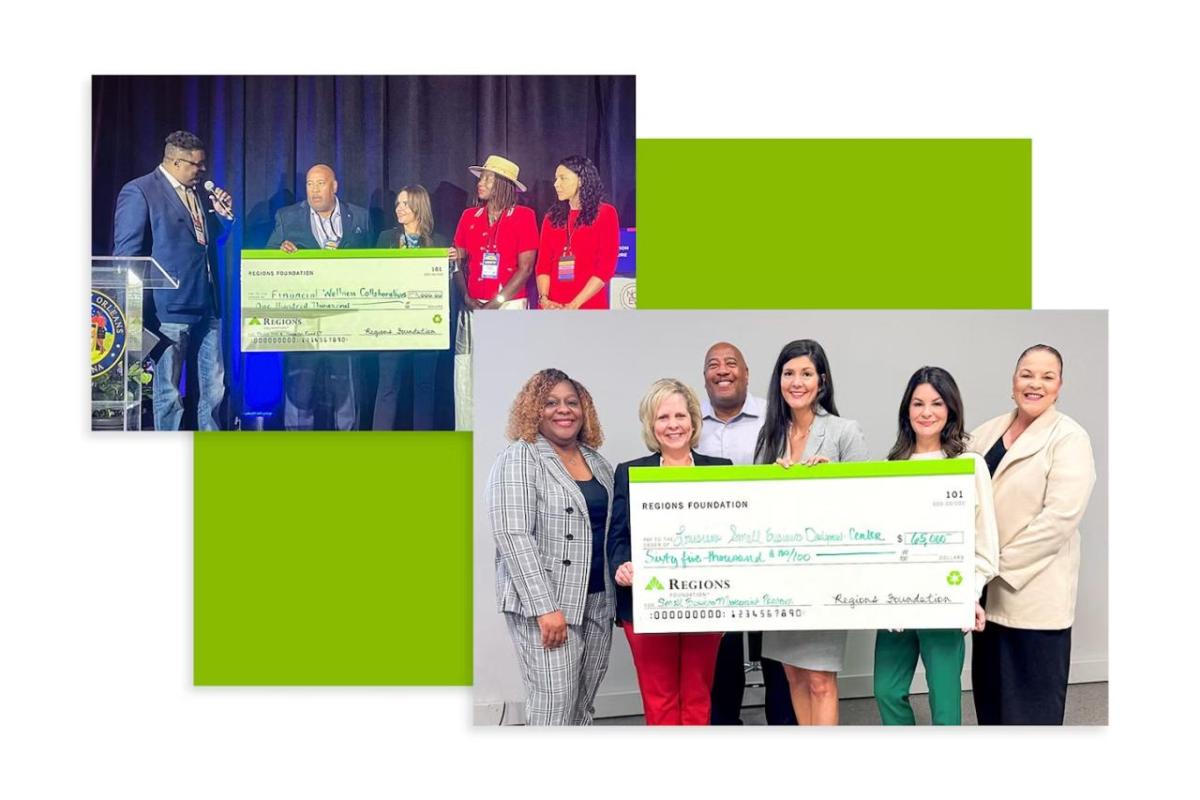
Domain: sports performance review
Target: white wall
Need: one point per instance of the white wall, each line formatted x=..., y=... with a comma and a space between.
x=871, y=353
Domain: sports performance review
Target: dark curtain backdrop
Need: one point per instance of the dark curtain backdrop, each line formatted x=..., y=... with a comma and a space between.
x=378, y=133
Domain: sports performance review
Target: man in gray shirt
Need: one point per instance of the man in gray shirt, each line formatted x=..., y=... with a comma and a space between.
x=732, y=419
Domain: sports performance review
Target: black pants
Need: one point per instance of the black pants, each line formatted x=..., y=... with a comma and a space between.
x=729, y=683
x=1019, y=676
x=408, y=391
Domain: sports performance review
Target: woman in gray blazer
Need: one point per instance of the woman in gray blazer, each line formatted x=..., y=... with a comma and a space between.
x=548, y=499
x=802, y=426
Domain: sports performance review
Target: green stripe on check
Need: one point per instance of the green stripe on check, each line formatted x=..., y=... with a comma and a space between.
x=774, y=472
x=406, y=252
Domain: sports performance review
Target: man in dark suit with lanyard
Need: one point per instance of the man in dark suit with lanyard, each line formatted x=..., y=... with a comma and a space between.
x=320, y=222
x=162, y=215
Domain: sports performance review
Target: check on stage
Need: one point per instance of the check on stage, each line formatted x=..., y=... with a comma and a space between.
x=887, y=544
x=326, y=300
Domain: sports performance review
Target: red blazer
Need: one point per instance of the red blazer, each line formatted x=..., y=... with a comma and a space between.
x=595, y=247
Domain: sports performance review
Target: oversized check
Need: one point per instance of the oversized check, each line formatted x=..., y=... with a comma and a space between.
x=345, y=300
x=887, y=544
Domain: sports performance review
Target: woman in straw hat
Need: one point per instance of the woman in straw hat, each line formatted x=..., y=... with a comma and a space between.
x=495, y=245
x=496, y=240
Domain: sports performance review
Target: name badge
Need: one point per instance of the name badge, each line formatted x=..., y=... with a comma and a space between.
x=491, y=264
x=566, y=266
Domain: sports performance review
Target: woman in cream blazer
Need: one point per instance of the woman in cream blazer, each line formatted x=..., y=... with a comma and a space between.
x=1042, y=477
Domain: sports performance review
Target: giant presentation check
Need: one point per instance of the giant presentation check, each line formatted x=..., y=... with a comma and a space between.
x=836, y=546
x=345, y=300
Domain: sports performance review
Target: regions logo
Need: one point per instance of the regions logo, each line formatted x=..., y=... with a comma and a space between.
x=108, y=333
x=437, y=318
x=654, y=585
x=699, y=584
x=274, y=322
x=954, y=578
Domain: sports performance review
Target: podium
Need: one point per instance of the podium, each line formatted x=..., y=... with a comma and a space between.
x=118, y=344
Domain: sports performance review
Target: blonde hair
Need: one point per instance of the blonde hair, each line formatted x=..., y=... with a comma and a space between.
x=526, y=410
x=659, y=391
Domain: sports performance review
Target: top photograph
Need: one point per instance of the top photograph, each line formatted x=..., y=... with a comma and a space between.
x=309, y=252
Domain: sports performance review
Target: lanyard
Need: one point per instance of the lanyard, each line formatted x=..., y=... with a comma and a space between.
x=332, y=235
x=493, y=232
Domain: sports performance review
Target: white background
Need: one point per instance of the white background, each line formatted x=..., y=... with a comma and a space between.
x=95, y=685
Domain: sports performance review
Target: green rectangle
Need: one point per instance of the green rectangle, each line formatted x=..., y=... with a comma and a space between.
x=834, y=223
x=774, y=472
x=393, y=252
x=313, y=550
x=332, y=558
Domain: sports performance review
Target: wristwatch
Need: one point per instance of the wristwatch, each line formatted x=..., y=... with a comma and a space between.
x=499, y=298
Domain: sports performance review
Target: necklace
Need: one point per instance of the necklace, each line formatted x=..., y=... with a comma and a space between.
x=570, y=457
x=800, y=440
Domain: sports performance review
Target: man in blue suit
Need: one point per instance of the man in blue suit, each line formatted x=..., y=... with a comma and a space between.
x=322, y=221
x=163, y=215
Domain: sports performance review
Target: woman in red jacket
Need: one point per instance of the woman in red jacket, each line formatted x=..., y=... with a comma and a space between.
x=577, y=253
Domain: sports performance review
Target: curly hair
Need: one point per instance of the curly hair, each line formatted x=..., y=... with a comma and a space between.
x=526, y=411
x=591, y=191
x=181, y=142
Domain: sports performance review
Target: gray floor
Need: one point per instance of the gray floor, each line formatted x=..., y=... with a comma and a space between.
x=1087, y=704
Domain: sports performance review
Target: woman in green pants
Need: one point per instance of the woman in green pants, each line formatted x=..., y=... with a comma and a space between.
x=931, y=426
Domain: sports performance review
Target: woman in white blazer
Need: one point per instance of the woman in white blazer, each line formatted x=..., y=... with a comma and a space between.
x=1042, y=476
x=548, y=498
x=931, y=427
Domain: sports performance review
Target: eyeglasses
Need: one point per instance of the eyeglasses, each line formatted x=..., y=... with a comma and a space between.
x=197, y=165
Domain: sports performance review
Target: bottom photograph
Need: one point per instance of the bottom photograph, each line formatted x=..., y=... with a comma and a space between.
x=791, y=518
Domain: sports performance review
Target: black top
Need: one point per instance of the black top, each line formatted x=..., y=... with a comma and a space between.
x=995, y=455
x=620, y=546
x=391, y=238
x=597, y=504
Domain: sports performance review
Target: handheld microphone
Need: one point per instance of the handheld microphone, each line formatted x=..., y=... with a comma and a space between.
x=211, y=187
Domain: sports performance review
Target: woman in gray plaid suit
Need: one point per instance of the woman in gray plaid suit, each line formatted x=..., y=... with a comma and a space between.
x=548, y=498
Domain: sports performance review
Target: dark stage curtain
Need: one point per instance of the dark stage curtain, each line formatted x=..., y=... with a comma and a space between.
x=379, y=133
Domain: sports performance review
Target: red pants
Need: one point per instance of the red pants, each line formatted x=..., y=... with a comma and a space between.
x=675, y=674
